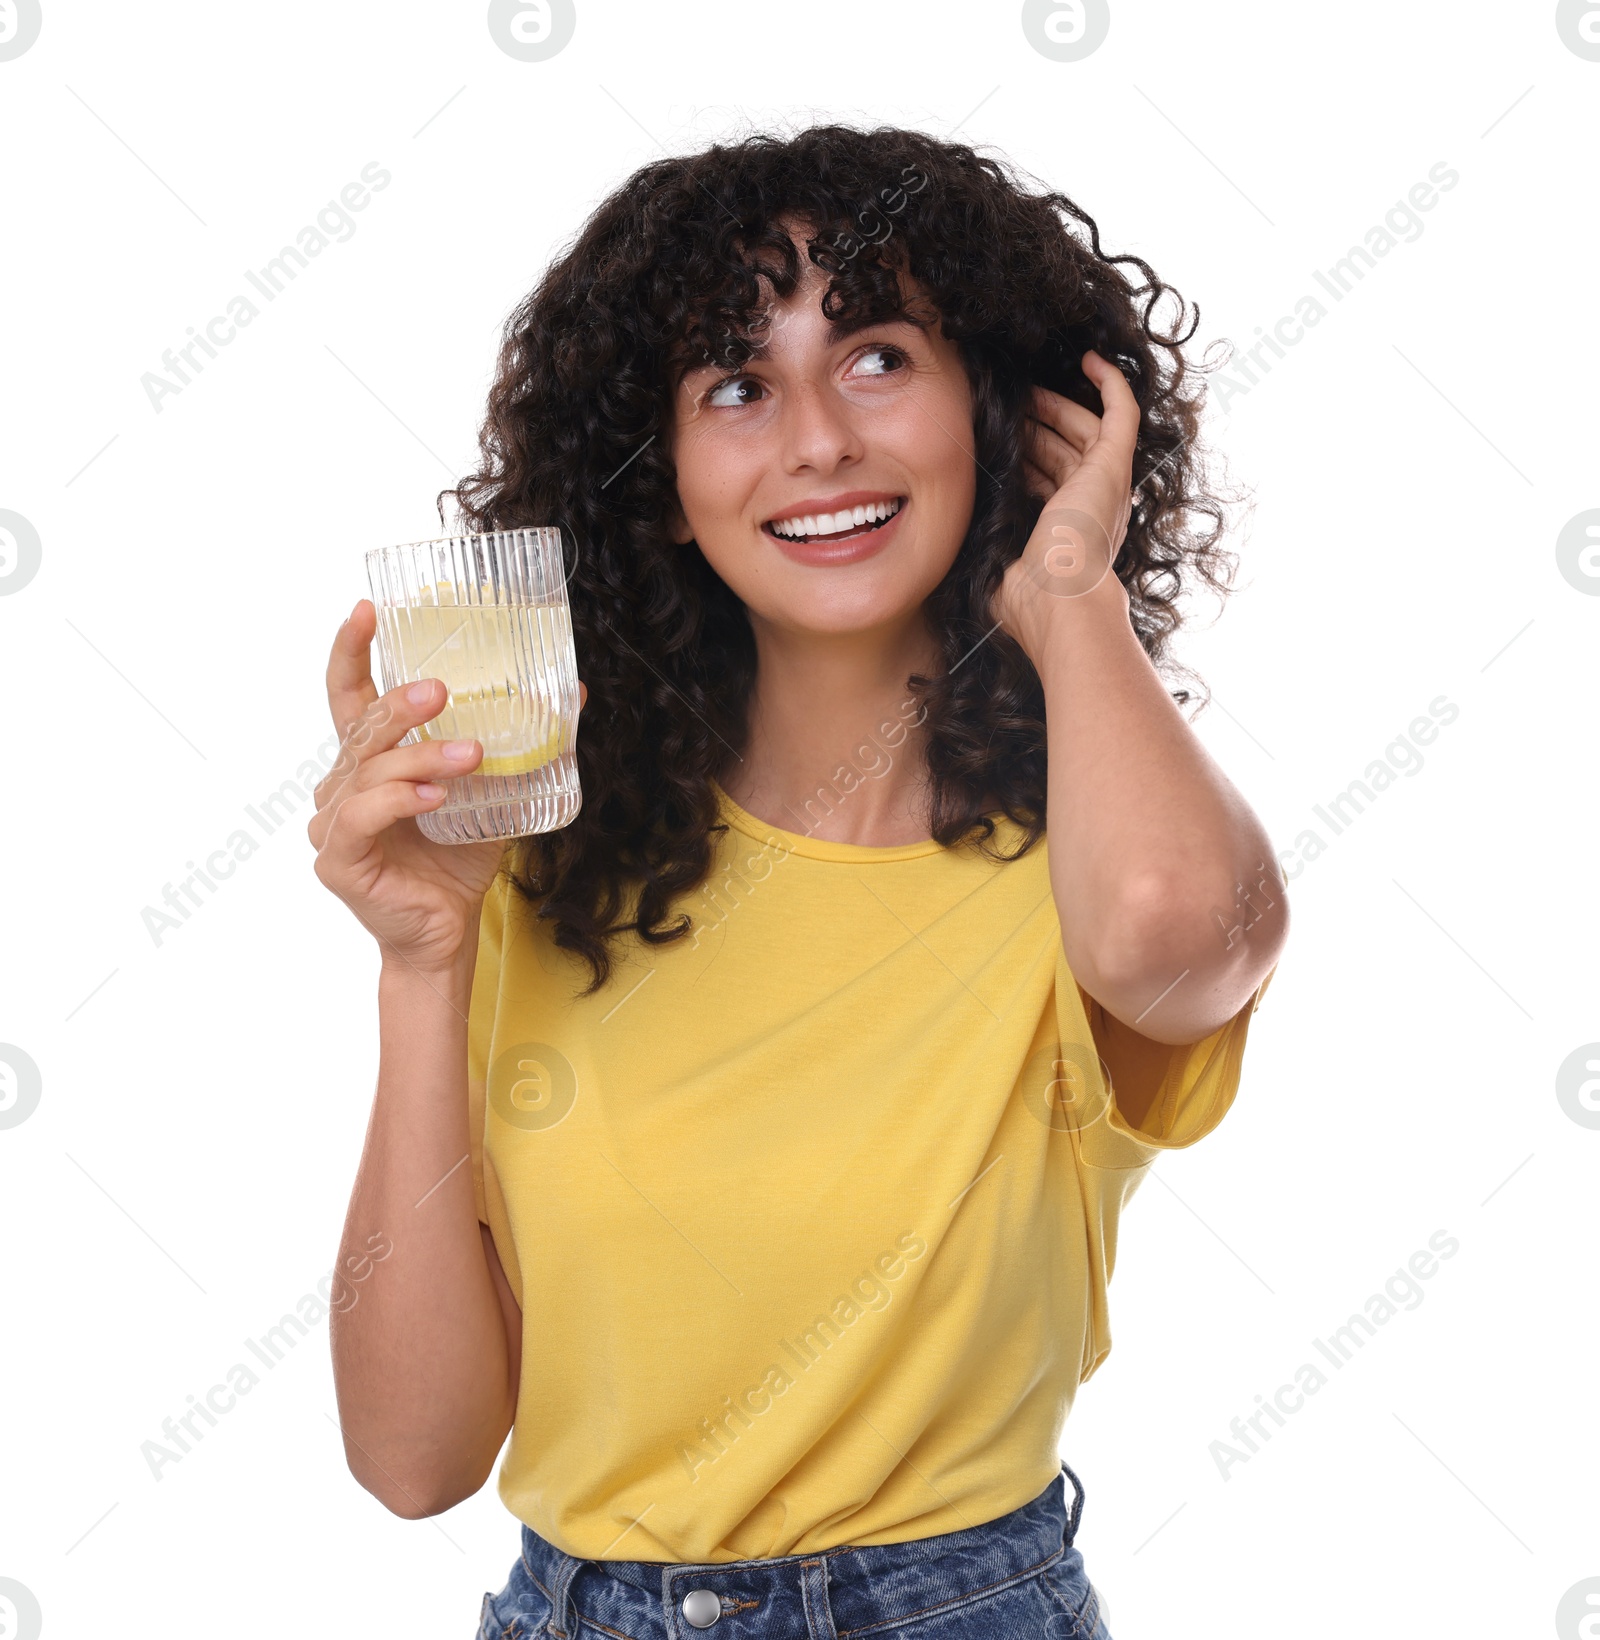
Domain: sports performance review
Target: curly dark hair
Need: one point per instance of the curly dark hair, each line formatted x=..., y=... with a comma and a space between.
x=678, y=267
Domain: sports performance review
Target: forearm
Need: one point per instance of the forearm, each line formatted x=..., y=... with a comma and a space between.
x=421, y=1364
x=1171, y=910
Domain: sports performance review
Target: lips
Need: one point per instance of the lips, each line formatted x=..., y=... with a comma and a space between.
x=833, y=548
x=836, y=519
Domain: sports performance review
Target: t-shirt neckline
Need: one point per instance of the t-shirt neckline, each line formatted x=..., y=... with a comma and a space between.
x=818, y=848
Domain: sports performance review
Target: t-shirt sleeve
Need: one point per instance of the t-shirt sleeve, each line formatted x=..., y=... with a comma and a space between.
x=480, y=1026
x=1184, y=1089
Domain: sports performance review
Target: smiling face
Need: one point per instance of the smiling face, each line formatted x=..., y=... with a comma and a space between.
x=830, y=480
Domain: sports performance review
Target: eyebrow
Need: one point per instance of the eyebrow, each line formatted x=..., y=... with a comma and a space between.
x=840, y=330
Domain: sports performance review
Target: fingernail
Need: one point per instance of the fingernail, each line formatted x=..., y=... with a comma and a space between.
x=419, y=694
x=458, y=751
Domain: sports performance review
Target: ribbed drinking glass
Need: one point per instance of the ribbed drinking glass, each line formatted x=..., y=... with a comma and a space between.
x=487, y=614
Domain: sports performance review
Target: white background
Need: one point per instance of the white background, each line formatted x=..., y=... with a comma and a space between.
x=1413, y=460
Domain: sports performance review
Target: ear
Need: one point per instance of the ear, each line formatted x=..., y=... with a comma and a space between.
x=678, y=525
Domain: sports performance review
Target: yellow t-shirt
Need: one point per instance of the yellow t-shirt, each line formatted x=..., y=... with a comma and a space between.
x=810, y=1214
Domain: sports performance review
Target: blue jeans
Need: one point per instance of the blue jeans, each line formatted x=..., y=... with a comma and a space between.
x=1015, y=1578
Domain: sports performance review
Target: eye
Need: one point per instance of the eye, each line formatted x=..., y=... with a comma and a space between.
x=880, y=360
x=733, y=391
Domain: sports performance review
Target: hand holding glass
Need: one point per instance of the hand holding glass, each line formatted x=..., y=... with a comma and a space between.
x=488, y=615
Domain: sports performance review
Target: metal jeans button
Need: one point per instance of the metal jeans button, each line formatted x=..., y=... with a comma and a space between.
x=701, y=1608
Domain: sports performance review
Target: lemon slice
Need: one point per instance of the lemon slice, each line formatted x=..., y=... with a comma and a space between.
x=514, y=738
x=502, y=665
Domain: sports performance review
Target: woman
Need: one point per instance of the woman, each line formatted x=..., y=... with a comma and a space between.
x=753, y=1147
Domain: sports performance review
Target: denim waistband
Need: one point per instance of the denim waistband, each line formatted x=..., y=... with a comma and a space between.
x=830, y=1591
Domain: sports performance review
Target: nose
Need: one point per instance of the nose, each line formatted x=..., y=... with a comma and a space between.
x=819, y=430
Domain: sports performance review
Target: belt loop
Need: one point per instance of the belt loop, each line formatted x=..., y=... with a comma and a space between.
x=561, y=1621
x=1077, y=1503
x=814, y=1596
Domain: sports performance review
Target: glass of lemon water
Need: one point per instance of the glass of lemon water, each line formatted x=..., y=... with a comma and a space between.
x=488, y=614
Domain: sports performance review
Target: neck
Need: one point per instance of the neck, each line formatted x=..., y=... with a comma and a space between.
x=833, y=749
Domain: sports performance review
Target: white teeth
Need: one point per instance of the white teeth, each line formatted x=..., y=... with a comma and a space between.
x=832, y=523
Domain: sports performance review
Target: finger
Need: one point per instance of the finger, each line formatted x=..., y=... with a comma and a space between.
x=1119, y=426
x=1074, y=422
x=1052, y=454
x=350, y=687
x=371, y=753
x=350, y=825
x=1044, y=478
x=1038, y=481
x=382, y=725
x=425, y=760
x=1052, y=437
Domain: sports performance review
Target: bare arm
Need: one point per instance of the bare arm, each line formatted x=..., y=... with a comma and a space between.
x=426, y=1361
x=427, y=1346
x=1172, y=907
